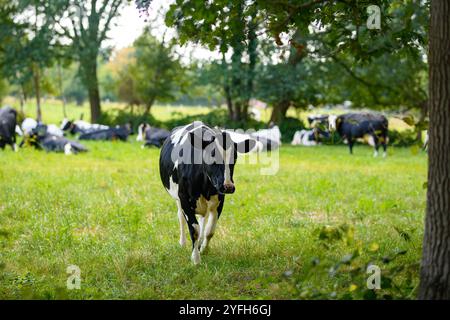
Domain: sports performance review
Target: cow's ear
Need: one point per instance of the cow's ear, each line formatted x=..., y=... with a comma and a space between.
x=199, y=140
x=246, y=146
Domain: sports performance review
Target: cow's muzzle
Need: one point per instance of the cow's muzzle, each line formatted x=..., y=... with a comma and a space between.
x=228, y=188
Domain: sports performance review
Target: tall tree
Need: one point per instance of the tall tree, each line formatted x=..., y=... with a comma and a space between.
x=435, y=274
x=88, y=24
x=28, y=43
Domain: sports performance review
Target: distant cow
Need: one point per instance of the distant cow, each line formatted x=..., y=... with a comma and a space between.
x=315, y=120
x=8, y=122
x=152, y=136
x=196, y=167
x=40, y=138
x=81, y=127
x=116, y=133
x=372, y=128
x=269, y=139
x=311, y=137
x=30, y=124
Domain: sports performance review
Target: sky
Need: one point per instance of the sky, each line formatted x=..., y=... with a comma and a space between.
x=130, y=24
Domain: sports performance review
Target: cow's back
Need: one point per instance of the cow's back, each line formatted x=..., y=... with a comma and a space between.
x=359, y=124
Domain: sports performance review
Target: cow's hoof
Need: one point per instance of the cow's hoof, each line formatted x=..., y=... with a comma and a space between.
x=195, y=257
x=182, y=242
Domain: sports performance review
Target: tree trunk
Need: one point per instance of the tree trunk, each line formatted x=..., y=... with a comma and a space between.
x=37, y=91
x=279, y=111
x=148, y=106
x=435, y=268
x=61, y=91
x=89, y=71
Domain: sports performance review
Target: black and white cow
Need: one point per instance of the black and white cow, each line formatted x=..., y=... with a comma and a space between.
x=316, y=120
x=116, y=133
x=29, y=124
x=152, y=136
x=371, y=128
x=8, y=123
x=40, y=138
x=81, y=127
x=309, y=138
x=196, y=166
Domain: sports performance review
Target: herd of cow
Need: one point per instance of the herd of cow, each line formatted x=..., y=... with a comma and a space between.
x=368, y=127
x=196, y=161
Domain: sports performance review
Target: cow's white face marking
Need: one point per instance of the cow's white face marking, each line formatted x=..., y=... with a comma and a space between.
x=140, y=136
x=332, y=122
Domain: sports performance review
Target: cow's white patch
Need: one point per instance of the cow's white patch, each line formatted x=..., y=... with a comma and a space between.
x=18, y=130
x=140, y=136
x=15, y=148
x=67, y=149
x=332, y=122
x=173, y=189
x=375, y=154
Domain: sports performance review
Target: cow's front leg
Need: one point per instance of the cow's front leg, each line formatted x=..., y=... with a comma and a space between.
x=201, y=221
x=215, y=207
x=210, y=229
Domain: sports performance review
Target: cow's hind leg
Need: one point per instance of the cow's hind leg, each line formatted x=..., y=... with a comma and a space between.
x=384, y=145
x=376, y=145
x=194, y=231
x=181, y=220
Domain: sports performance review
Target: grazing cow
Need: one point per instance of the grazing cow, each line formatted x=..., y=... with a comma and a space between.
x=317, y=120
x=40, y=138
x=116, y=133
x=81, y=127
x=8, y=122
x=372, y=128
x=152, y=136
x=309, y=137
x=196, y=166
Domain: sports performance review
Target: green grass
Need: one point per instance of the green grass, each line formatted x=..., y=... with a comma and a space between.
x=107, y=212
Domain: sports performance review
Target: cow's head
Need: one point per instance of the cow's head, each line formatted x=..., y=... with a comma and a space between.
x=333, y=122
x=143, y=127
x=219, y=155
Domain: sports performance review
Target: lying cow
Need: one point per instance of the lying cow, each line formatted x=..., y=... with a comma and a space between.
x=152, y=136
x=30, y=124
x=309, y=137
x=269, y=139
x=81, y=127
x=40, y=138
x=116, y=133
x=372, y=128
x=196, y=166
x=8, y=122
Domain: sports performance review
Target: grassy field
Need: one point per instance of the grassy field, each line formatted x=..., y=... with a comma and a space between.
x=308, y=232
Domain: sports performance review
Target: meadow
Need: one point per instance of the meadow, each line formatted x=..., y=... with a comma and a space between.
x=308, y=232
